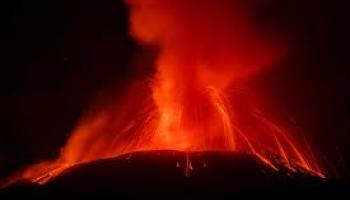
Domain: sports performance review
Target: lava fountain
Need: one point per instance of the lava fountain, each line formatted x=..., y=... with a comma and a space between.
x=207, y=50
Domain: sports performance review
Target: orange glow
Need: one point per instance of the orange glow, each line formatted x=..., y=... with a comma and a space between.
x=206, y=48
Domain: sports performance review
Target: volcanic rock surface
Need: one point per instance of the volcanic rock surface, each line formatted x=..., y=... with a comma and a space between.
x=172, y=174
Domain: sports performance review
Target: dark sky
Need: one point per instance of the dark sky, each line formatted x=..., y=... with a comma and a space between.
x=57, y=55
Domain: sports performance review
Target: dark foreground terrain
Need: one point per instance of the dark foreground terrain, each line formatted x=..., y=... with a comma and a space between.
x=171, y=174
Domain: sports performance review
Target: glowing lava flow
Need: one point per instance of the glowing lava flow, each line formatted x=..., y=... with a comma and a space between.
x=205, y=48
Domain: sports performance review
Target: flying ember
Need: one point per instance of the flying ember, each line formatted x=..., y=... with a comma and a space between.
x=197, y=98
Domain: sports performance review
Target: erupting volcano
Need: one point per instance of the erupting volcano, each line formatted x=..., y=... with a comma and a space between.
x=198, y=99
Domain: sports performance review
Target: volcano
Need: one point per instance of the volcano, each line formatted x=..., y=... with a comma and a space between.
x=179, y=174
x=195, y=125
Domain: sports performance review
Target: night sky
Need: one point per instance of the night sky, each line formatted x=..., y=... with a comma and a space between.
x=59, y=55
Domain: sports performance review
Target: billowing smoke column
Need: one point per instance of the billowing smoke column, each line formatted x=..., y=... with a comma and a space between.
x=205, y=46
x=206, y=49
